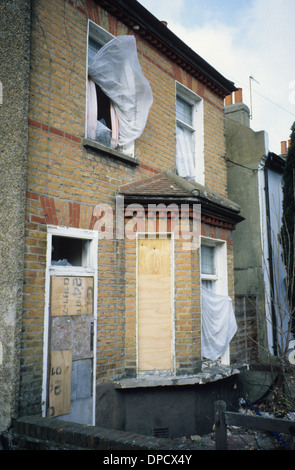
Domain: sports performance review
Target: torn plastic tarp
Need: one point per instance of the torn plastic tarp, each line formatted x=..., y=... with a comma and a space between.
x=218, y=324
x=116, y=69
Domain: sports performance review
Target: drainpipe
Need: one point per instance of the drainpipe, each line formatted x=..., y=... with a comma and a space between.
x=270, y=262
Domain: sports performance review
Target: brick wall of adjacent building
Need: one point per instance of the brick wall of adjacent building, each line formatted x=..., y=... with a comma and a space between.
x=66, y=181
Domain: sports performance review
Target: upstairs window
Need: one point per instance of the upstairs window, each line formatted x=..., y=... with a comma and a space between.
x=98, y=103
x=118, y=95
x=189, y=135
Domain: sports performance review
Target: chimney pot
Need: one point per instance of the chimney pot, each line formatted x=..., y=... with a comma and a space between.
x=283, y=147
x=228, y=100
x=239, y=95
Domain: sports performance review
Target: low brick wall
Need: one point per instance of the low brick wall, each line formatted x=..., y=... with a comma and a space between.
x=37, y=433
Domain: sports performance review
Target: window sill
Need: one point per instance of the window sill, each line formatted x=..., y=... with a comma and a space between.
x=99, y=148
x=210, y=374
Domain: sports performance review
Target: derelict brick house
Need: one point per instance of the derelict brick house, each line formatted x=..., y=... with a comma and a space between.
x=126, y=222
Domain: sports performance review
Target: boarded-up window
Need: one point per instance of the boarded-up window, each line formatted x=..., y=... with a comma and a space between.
x=154, y=304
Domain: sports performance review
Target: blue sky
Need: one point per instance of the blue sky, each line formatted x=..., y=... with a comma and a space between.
x=241, y=39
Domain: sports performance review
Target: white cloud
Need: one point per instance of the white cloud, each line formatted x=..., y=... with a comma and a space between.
x=164, y=10
x=260, y=45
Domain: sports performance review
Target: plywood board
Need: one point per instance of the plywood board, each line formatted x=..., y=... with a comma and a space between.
x=60, y=383
x=71, y=295
x=154, y=322
x=154, y=304
x=154, y=256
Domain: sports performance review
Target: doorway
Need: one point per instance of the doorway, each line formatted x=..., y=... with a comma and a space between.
x=70, y=315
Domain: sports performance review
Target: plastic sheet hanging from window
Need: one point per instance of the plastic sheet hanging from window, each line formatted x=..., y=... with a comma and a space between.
x=117, y=71
x=218, y=324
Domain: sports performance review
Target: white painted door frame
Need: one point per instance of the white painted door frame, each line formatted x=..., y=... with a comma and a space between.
x=89, y=270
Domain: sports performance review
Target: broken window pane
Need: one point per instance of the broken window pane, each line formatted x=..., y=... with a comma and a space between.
x=67, y=251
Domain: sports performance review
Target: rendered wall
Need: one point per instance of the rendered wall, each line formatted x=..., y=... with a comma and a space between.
x=14, y=59
x=247, y=148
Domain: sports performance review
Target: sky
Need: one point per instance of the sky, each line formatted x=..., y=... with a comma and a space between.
x=243, y=39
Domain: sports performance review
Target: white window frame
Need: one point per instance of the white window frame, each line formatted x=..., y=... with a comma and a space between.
x=220, y=278
x=197, y=128
x=89, y=269
x=220, y=261
x=101, y=36
x=98, y=34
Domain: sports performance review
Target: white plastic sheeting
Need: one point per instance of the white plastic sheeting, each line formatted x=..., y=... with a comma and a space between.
x=116, y=69
x=218, y=324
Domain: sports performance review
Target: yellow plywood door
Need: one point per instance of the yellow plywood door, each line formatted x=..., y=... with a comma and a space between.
x=154, y=304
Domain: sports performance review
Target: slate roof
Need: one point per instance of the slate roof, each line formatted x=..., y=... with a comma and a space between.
x=167, y=186
x=158, y=185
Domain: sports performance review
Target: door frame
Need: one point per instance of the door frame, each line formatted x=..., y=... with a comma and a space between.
x=89, y=271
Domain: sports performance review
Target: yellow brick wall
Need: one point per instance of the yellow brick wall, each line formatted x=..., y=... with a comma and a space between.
x=65, y=181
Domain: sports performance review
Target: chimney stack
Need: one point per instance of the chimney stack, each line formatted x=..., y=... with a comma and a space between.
x=235, y=108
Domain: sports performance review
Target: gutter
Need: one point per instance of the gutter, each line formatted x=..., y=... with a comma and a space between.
x=275, y=162
x=207, y=207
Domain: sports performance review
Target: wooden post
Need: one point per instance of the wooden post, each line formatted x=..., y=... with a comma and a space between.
x=220, y=426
